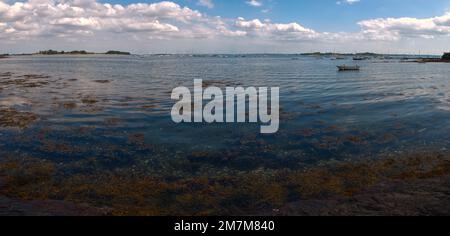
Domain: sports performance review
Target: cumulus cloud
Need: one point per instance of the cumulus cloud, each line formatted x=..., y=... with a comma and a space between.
x=65, y=17
x=256, y=27
x=406, y=27
x=72, y=18
x=78, y=19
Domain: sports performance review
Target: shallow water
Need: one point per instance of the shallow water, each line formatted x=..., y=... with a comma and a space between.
x=116, y=109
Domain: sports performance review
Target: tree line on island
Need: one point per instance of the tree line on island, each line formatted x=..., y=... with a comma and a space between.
x=446, y=56
x=80, y=52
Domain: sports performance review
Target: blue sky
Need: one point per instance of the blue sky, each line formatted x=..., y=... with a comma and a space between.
x=216, y=26
x=324, y=15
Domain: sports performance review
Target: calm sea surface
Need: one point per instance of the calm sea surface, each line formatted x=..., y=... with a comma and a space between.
x=116, y=110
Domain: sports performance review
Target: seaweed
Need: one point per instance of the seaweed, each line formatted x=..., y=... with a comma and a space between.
x=102, y=81
x=69, y=105
x=25, y=81
x=89, y=100
x=135, y=191
x=10, y=117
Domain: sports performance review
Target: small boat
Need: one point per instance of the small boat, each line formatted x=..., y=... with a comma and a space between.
x=348, y=68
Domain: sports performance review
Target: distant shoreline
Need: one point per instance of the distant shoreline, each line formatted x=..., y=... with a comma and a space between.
x=334, y=56
x=321, y=54
x=77, y=52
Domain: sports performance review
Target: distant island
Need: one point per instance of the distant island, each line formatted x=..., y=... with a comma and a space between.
x=53, y=52
x=333, y=55
x=445, y=58
x=340, y=54
x=117, y=53
x=78, y=52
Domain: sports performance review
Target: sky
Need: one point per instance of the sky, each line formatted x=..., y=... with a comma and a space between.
x=226, y=26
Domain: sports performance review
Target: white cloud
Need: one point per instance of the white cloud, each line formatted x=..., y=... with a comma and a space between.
x=66, y=17
x=77, y=20
x=348, y=2
x=206, y=3
x=406, y=27
x=268, y=28
x=254, y=3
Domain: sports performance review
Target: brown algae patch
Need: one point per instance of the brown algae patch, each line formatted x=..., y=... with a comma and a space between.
x=69, y=105
x=112, y=121
x=150, y=106
x=130, y=191
x=306, y=132
x=138, y=139
x=89, y=100
x=61, y=148
x=91, y=104
x=28, y=175
x=102, y=81
x=25, y=81
x=6, y=74
x=385, y=138
x=15, y=119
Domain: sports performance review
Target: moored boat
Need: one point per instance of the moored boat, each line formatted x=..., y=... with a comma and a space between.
x=348, y=68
